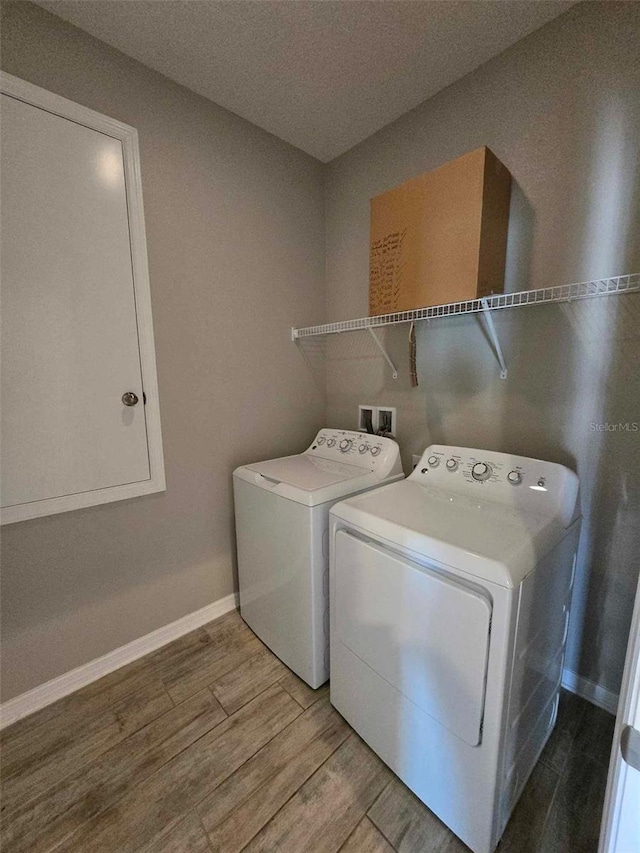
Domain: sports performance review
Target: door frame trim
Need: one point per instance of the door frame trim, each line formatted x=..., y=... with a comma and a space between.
x=128, y=136
x=628, y=712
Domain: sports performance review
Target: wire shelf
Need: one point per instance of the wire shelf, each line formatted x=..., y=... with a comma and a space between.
x=542, y=296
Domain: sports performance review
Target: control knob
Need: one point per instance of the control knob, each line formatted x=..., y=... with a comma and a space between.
x=345, y=444
x=362, y=448
x=321, y=440
x=433, y=461
x=514, y=477
x=452, y=464
x=481, y=471
x=375, y=451
x=331, y=442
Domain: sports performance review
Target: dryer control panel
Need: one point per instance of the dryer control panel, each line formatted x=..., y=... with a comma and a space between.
x=515, y=481
x=370, y=452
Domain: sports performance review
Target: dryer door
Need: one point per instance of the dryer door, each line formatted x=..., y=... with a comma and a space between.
x=423, y=632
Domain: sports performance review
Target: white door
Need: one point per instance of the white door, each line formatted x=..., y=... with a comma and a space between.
x=621, y=819
x=70, y=338
x=422, y=631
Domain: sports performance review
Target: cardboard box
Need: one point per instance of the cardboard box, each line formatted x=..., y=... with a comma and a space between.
x=441, y=237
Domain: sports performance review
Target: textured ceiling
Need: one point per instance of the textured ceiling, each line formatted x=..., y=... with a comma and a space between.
x=322, y=75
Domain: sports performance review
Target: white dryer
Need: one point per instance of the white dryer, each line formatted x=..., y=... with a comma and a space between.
x=450, y=596
x=282, y=528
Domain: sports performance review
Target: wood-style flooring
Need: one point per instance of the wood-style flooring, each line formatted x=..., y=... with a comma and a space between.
x=211, y=745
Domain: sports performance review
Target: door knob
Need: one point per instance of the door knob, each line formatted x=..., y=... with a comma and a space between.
x=129, y=398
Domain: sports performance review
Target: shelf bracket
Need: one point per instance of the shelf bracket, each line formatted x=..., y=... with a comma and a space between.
x=376, y=340
x=491, y=329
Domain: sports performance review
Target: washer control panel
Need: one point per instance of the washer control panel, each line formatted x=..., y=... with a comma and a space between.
x=529, y=484
x=371, y=452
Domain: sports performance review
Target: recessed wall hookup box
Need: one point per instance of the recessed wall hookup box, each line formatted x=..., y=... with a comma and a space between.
x=368, y=418
x=387, y=419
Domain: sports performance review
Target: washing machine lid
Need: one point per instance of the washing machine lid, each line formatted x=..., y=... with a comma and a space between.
x=309, y=480
x=307, y=472
x=483, y=539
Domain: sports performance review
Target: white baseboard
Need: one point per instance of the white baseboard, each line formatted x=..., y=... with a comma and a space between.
x=33, y=700
x=45, y=694
x=589, y=690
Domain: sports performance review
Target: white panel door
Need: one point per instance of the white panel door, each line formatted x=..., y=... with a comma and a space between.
x=70, y=341
x=424, y=633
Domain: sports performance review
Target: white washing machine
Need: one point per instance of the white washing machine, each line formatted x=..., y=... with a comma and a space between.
x=282, y=527
x=450, y=596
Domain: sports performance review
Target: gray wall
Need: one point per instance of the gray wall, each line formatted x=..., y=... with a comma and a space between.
x=562, y=110
x=235, y=226
x=235, y=236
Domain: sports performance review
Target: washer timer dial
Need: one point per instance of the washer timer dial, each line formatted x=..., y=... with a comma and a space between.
x=481, y=472
x=345, y=444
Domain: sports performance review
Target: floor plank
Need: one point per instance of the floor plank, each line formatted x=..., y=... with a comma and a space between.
x=594, y=734
x=365, y=838
x=247, y=680
x=574, y=820
x=187, y=836
x=78, y=708
x=226, y=627
x=170, y=657
x=529, y=818
x=78, y=711
x=327, y=808
x=571, y=710
x=57, y=750
x=452, y=844
x=210, y=662
x=62, y=809
x=162, y=800
x=247, y=800
x=405, y=821
x=304, y=695
x=147, y=761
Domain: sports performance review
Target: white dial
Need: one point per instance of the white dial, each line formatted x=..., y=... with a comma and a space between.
x=331, y=442
x=345, y=444
x=481, y=471
x=363, y=448
x=376, y=450
x=452, y=464
x=433, y=461
x=514, y=477
x=321, y=440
